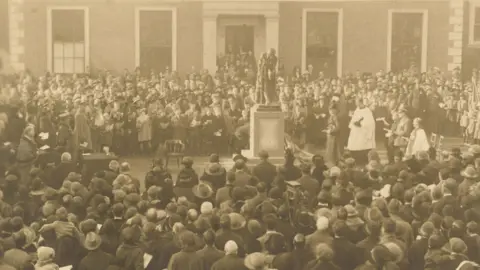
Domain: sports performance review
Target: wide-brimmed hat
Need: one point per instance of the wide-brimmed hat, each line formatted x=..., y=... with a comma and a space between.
x=239, y=156
x=470, y=172
x=45, y=255
x=352, y=216
x=92, y=241
x=237, y=221
x=187, y=161
x=455, y=245
x=255, y=260
x=202, y=191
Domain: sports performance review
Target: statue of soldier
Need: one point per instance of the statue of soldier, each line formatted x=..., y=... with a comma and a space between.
x=267, y=79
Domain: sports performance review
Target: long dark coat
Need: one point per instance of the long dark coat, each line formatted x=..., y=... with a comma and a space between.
x=333, y=147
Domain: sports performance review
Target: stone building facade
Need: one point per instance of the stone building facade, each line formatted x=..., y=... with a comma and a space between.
x=334, y=36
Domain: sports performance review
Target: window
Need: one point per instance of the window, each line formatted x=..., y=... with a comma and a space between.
x=155, y=44
x=475, y=25
x=321, y=46
x=406, y=41
x=68, y=41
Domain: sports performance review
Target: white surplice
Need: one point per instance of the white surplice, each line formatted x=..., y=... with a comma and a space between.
x=418, y=142
x=362, y=137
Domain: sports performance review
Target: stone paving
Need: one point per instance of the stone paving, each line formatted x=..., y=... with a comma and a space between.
x=140, y=165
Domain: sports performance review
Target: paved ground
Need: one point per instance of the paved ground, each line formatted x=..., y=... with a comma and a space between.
x=140, y=165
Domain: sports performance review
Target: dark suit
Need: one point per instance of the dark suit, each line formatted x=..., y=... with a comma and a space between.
x=448, y=200
x=223, y=195
x=294, y=260
x=59, y=174
x=229, y=262
x=207, y=257
x=257, y=200
x=341, y=247
x=265, y=172
x=311, y=186
x=417, y=253
x=473, y=247
x=223, y=236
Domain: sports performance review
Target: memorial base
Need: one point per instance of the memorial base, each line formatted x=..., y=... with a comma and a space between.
x=267, y=133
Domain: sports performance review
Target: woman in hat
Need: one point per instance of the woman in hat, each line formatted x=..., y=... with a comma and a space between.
x=129, y=253
x=323, y=259
x=203, y=192
x=379, y=258
x=187, y=178
x=26, y=154
x=81, y=132
x=470, y=176
x=333, y=145
x=158, y=174
x=144, y=127
x=46, y=259
x=215, y=175
x=96, y=259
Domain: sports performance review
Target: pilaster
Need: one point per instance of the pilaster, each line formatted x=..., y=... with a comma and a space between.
x=272, y=29
x=17, y=34
x=210, y=42
x=455, y=35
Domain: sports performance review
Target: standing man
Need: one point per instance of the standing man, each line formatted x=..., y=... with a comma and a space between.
x=362, y=133
x=265, y=171
x=398, y=138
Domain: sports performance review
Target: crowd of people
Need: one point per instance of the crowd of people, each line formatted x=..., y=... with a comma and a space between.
x=416, y=210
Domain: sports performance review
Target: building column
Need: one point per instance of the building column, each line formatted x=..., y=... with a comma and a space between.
x=16, y=21
x=210, y=42
x=455, y=35
x=272, y=28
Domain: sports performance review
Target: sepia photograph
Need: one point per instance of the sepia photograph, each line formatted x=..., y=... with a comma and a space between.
x=239, y=134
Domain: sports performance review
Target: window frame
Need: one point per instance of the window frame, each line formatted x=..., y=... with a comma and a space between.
x=86, y=39
x=138, y=11
x=339, y=11
x=471, y=25
x=424, y=43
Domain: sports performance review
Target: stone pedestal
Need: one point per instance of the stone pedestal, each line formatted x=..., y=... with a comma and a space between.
x=267, y=132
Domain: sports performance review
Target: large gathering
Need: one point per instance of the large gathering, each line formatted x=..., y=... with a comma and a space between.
x=172, y=170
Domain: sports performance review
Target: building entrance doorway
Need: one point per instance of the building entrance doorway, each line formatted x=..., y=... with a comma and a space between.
x=239, y=39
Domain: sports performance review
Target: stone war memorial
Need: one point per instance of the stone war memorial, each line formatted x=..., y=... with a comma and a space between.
x=267, y=123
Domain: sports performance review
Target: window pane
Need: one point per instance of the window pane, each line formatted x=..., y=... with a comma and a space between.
x=58, y=65
x=79, y=50
x=79, y=65
x=68, y=49
x=406, y=41
x=321, y=50
x=156, y=28
x=155, y=40
x=68, y=25
x=476, y=32
x=58, y=50
x=477, y=15
x=68, y=65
